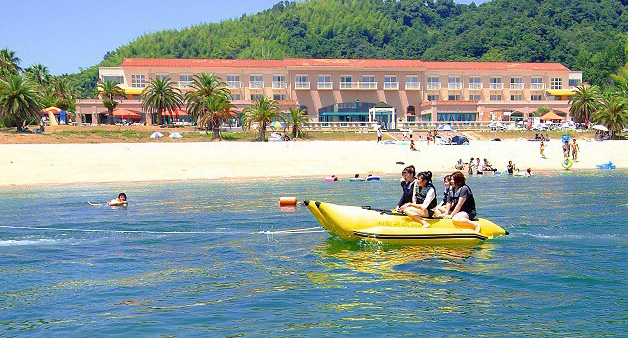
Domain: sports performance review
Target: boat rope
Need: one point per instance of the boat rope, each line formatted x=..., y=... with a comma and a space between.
x=290, y=231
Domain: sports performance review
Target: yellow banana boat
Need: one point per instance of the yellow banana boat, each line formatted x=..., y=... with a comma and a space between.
x=384, y=226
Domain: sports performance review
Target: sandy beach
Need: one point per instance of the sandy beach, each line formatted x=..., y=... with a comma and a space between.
x=26, y=164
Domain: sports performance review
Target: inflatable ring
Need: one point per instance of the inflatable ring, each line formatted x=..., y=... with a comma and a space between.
x=567, y=163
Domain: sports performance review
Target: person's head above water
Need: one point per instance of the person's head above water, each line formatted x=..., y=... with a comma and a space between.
x=122, y=196
x=357, y=175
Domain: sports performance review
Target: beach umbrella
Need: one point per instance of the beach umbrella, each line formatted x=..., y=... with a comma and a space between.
x=156, y=135
x=446, y=127
x=175, y=135
x=277, y=124
x=496, y=124
x=568, y=125
x=599, y=127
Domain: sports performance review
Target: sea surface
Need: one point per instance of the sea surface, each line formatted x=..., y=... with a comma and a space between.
x=196, y=259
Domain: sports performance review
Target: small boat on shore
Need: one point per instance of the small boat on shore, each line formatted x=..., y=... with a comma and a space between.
x=352, y=223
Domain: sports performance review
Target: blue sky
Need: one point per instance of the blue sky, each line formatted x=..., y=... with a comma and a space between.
x=67, y=34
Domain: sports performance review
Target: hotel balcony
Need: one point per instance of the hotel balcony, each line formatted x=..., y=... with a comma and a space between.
x=325, y=85
x=280, y=85
x=516, y=86
x=496, y=86
x=185, y=84
x=433, y=86
x=391, y=85
x=413, y=85
x=256, y=84
x=454, y=86
x=358, y=85
x=537, y=86
x=301, y=85
x=476, y=86
x=234, y=84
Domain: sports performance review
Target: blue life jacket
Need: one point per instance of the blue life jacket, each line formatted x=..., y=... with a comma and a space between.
x=421, y=193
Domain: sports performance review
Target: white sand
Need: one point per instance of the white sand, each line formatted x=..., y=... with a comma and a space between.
x=23, y=164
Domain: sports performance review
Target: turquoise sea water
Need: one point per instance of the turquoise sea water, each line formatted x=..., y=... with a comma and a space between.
x=183, y=261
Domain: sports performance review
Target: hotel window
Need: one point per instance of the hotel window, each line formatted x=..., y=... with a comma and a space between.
x=324, y=82
x=536, y=83
x=556, y=83
x=475, y=83
x=233, y=81
x=279, y=81
x=475, y=97
x=496, y=97
x=536, y=97
x=390, y=82
x=454, y=97
x=412, y=82
x=516, y=97
x=496, y=83
x=114, y=79
x=236, y=97
x=138, y=81
x=432, y=97
x=185, y=81
x=516, y=83
x=256, y=81
x=574, y=82
x=368, y=82
x=279, y=97
x=255, y=97
x=433, y=82
x=162, y=76
x=454, y=83
x=346, y=81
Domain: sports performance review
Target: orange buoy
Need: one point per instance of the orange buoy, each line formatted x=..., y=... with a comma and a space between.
x=283, y=201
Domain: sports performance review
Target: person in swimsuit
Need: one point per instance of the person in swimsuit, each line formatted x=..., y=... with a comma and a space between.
x=119, y=202
x=574, y=150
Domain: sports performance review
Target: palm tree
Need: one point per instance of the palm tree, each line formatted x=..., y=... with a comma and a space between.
x=9, y=63
x=19, y=100
x=109, y=90
x=612, y=113
x=212, y=112
x=208, y=90
x=63, y=89
x=263, y=111
x=298, y=121
x=161, y=95
x=584, y=102
x=542, y=111
x=38, y=73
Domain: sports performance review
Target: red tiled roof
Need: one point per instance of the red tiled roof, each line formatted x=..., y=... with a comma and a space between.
x=203, y=63
x=354, y=63
x=342, y=63
x=453, y=65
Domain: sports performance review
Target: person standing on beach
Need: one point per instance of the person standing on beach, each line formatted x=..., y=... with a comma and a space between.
x=543, y=149
x=379, y=134
x=410, y=133
x=574, y=150
x=566, y=149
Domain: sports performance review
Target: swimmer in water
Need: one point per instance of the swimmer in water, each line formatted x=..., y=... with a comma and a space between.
x=116, y=202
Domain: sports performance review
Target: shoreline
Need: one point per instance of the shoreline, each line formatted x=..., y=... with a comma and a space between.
x=114, y=163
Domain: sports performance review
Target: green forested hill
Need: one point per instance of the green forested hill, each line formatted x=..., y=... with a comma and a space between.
x=587, y=35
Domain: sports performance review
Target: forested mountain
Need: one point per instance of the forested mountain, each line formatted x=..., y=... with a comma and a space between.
x=587, y=35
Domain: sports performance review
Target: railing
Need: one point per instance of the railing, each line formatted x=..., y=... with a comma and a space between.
x=234, y=84
x=516, y=86
x=358, y=85
x=476, y=86
x=280, y=85
x=416, y=125
x=256, y=84
x=433, y=85
x=497, y=86
x=537, y=86
x=185, y=84
x=364, y=126
x=301, y=85
x=325, y=85
x=391, y=85
x=454, y=86
x=413, y=85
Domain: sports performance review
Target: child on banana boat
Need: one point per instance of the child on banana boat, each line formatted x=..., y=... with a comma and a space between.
x=445, y=205
x=425, y=199
x=463, y=203
x=407, y=185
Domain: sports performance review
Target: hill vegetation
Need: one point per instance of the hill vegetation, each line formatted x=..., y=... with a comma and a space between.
x=586, y=35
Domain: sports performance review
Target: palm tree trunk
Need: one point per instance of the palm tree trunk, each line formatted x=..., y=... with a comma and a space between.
x=262, y=132
x=110, y=115
x=295, y=132
x=19, y=125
